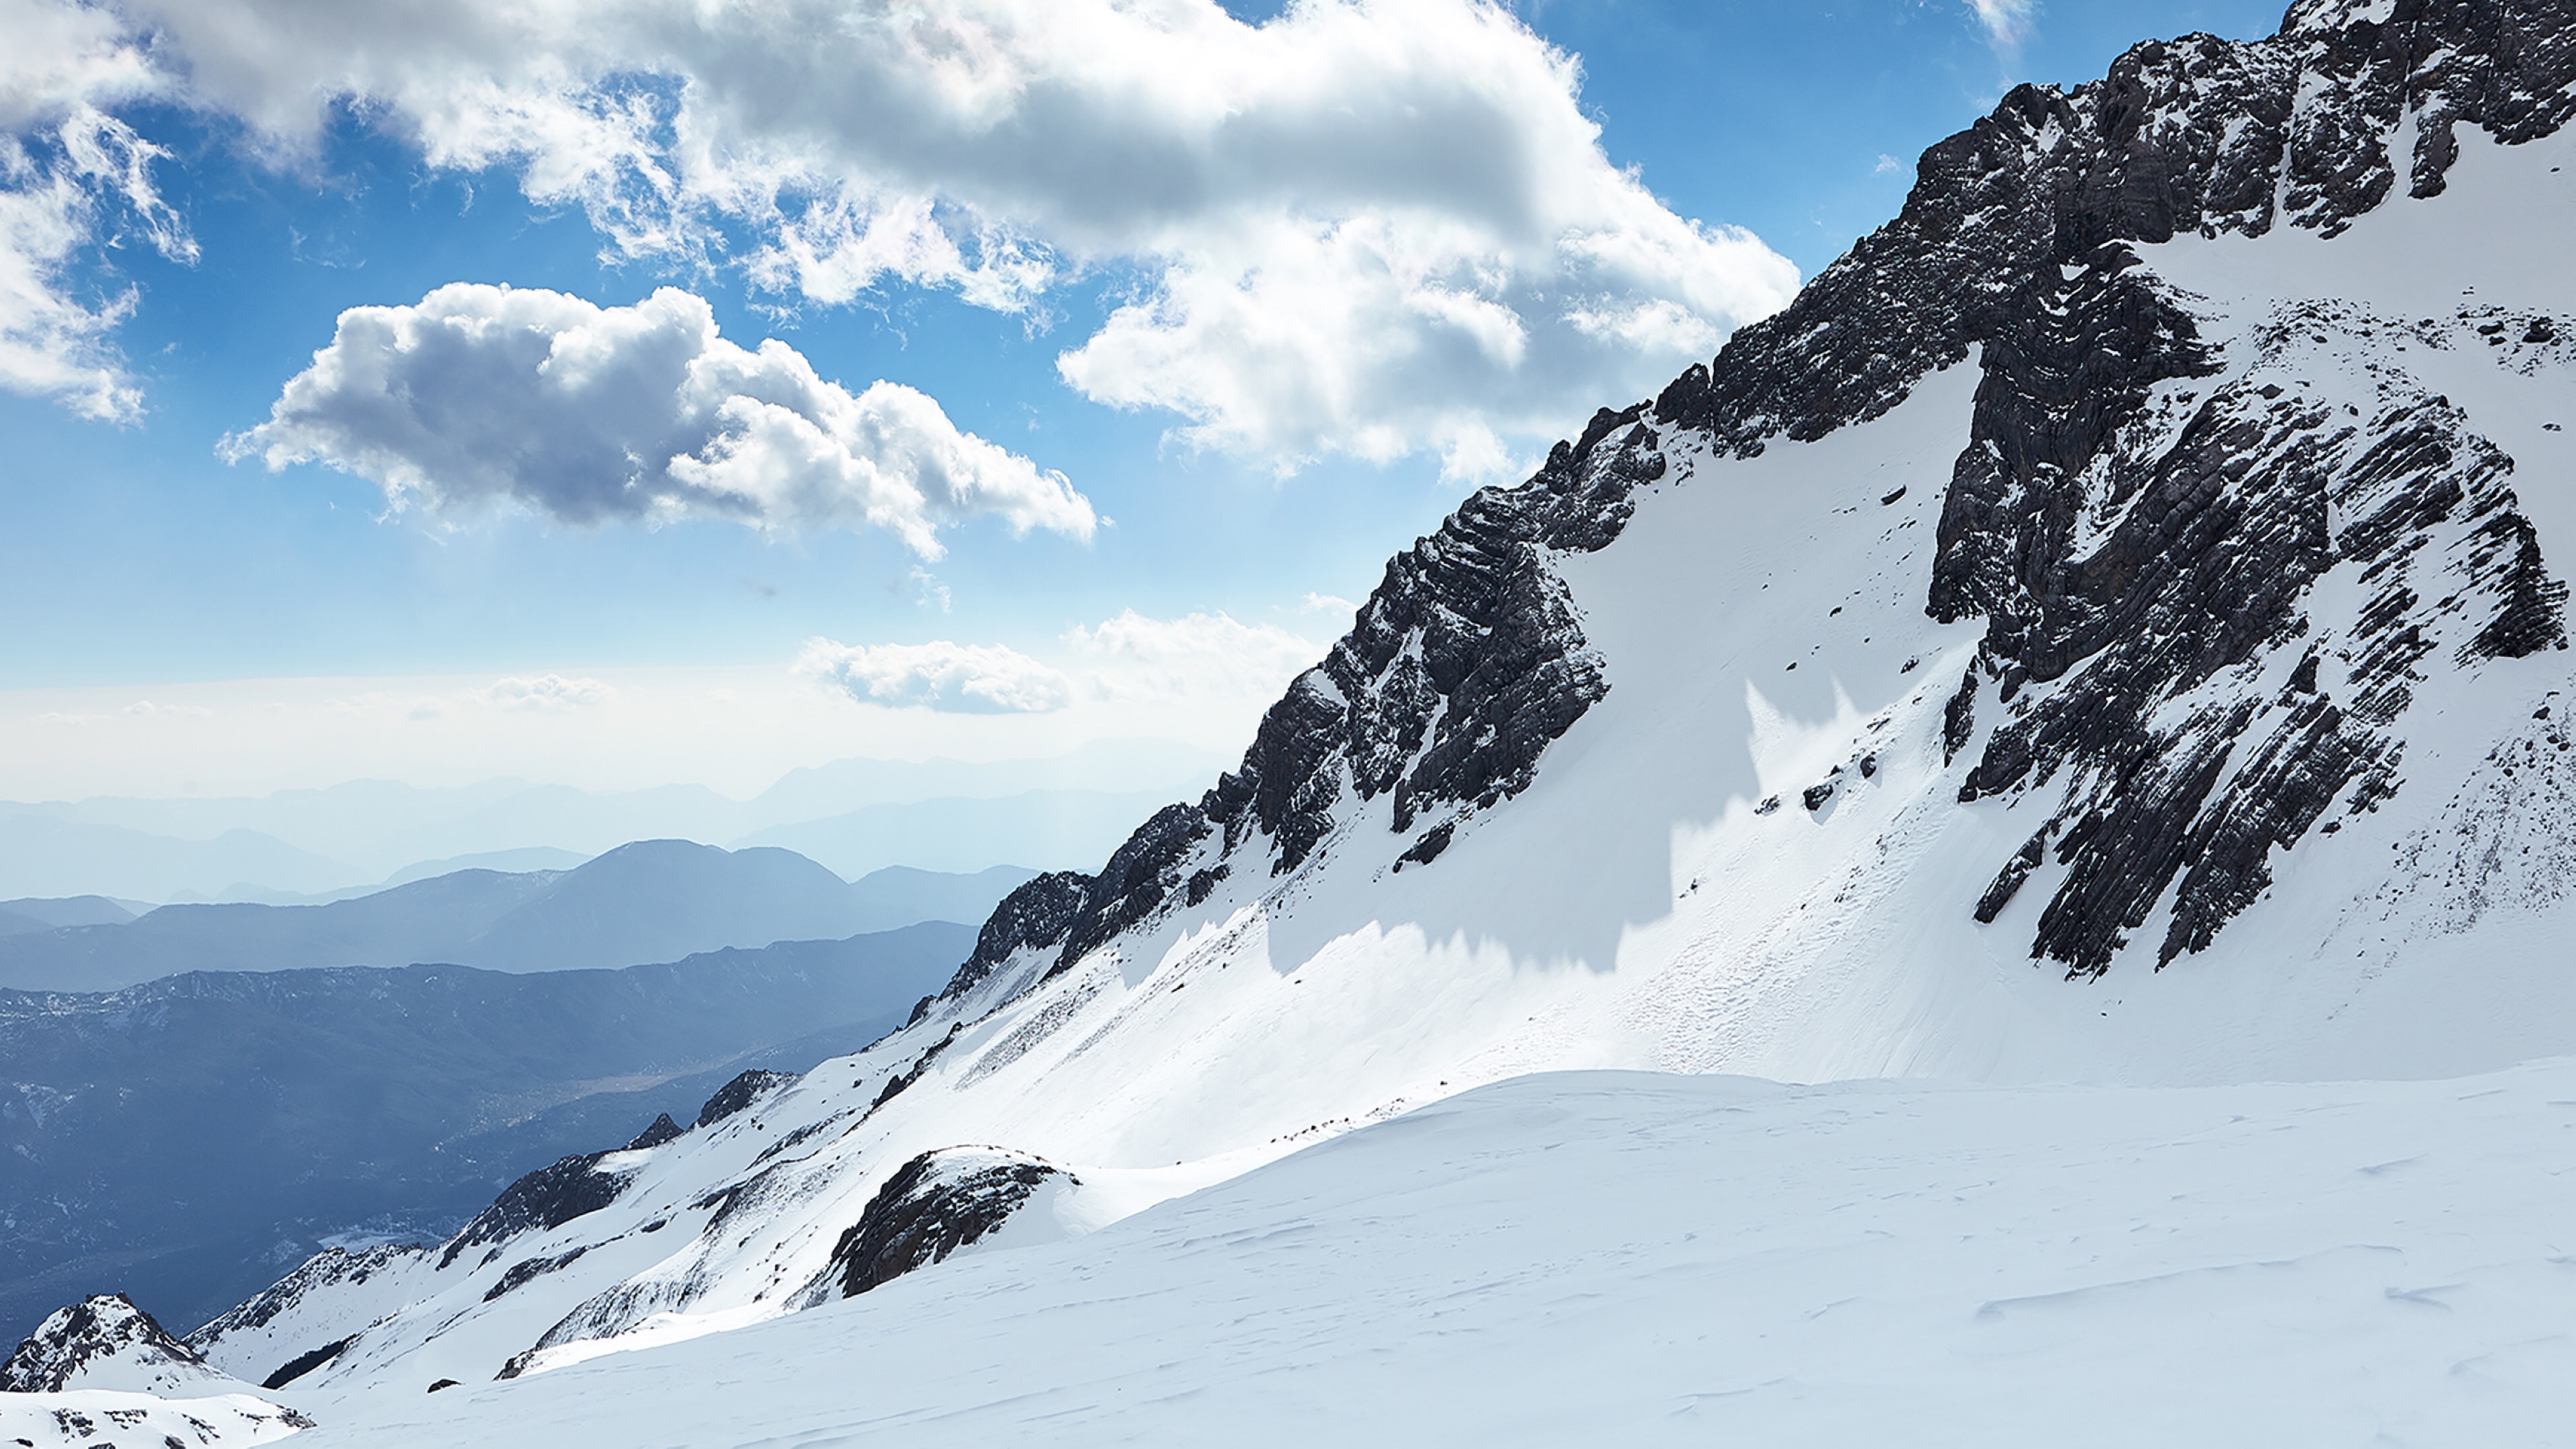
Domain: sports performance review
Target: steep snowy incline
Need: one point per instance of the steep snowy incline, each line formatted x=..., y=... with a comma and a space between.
x=2110, y=628
x=1611, y=1258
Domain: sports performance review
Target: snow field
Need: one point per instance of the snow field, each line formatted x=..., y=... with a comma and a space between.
x=1636, y=1259
x=102, y=1418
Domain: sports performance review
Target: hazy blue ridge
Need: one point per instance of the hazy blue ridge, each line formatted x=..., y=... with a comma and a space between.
x=654, y=900
x=188, y=1140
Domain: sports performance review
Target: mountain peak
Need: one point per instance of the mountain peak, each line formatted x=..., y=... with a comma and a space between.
x=105, y=1342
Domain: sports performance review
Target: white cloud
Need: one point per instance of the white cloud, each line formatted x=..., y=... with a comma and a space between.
x=57, y=57
x=1128, y=663
x=480, y=395
x=951, y=678
x=71, y=178
x=2006, y=22
x=64, y=191
x=53, y=343
x=1371, y=227
x=1134, y=657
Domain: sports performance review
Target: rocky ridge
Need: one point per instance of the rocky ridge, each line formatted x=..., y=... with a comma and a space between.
x=2214, y=511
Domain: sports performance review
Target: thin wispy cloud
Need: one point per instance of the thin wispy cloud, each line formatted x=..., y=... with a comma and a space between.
x=2006, y=23
x=943, y=676
x=546, y=692
x=1133, y=657
x=1123, y=662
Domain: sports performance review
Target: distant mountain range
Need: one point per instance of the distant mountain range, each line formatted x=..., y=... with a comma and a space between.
x=189, y=1139
x=301, y=845
x=525, y=858
x=49, y=854
x=654, y=900
x=40, y=914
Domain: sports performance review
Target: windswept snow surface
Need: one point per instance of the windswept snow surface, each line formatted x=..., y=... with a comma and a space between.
x=103, y=1418
x=1636, y=1259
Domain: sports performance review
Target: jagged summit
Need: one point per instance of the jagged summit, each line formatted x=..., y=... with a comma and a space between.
x=2106, y=521
x=2140, y=561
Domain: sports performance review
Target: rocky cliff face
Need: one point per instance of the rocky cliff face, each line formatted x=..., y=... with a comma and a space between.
x=2130, y=539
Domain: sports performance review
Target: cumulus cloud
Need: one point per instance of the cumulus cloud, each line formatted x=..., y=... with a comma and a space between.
x=480, y=395
x=1369, y=227
x=952, y=678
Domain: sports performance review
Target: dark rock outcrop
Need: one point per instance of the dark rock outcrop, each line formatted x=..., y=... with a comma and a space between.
x=549, y=1197
x=521, y=1274
x=740, y=1093
x=306, y=1362
x=932, y=1206
x=662, y=1130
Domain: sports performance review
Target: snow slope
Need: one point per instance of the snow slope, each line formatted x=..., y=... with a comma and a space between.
x=1616, y=1258
x=2109, y=630
x=1637, y=906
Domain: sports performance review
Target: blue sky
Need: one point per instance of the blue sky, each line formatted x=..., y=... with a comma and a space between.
x=136, y=561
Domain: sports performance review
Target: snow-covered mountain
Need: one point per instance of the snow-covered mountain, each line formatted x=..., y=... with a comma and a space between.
x=102, y=1369
x=105, y=1342
x=2110, y=627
